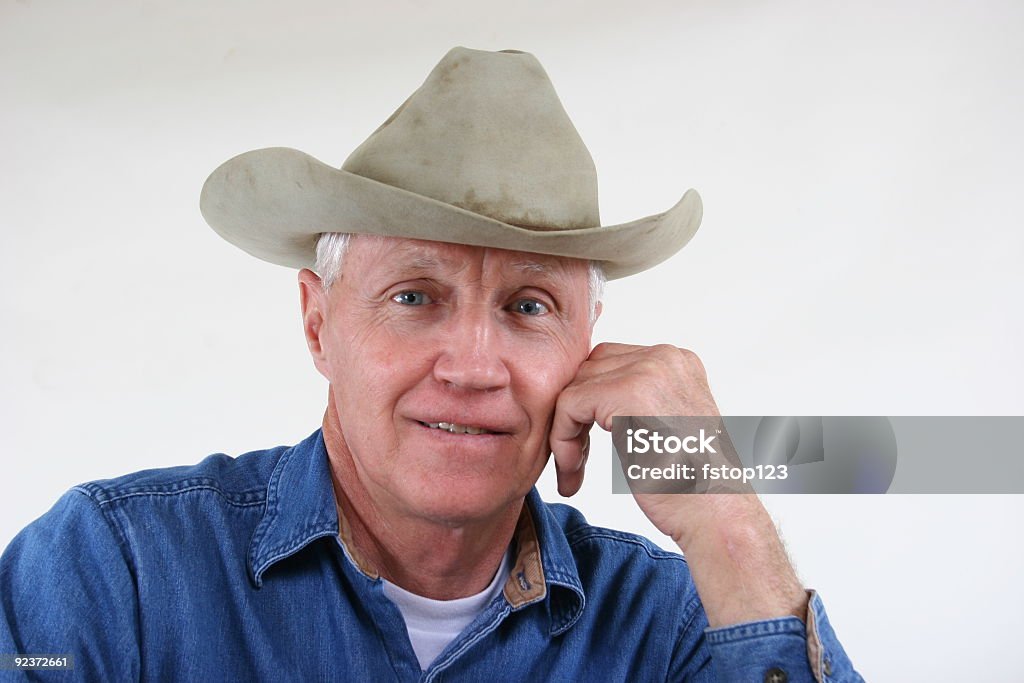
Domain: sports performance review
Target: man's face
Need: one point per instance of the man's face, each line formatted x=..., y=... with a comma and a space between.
x=418, y=333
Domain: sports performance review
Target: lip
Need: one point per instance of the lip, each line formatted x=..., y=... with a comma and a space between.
x=455, y=428
x=492, y=427
x=458, y=438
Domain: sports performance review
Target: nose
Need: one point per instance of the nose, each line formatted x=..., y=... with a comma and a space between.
x=472, y=354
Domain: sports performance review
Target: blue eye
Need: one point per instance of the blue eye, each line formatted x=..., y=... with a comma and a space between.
x=412, y=298
x=529, y=307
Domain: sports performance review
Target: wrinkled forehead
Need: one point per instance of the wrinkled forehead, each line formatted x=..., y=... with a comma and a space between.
x=425, y=255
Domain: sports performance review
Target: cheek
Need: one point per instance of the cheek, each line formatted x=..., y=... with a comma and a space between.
x=542, y=371
x=369, y=369
x=359, y=343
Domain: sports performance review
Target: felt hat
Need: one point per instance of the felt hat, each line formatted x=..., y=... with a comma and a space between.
x=483, y=153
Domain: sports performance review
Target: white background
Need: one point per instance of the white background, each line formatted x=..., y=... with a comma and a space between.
x=861, y=169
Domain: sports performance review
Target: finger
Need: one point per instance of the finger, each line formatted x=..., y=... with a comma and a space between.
x=574, y=412
x=569, y=428
x=603, y=349
x=611, y=349
x=613, y=367
x=660, y=359
x=569, y=455
x=570, y=479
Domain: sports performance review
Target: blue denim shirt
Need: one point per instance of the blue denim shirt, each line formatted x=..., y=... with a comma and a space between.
x=238, y=569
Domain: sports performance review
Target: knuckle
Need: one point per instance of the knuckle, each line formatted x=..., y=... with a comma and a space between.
x=692, y=359
x=666, y=349
x=687, y=354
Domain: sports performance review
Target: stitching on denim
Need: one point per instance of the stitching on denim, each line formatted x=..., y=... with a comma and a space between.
x=818, y=667
x=114, y=527
x=103, y=491
x=563, y=577
x=307, y=536
x=653, y=553
x=228, y=496
x=133, y=571
x=394, y=658
x=472, y=638
x=692, y=608
x=769, y=627
x=584, y=534
x=566, y=617
x=264, y=527
x=531, y=601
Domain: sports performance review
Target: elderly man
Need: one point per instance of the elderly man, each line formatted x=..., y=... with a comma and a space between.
x=459, y=261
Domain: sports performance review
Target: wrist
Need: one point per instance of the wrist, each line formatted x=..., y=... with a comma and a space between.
x=721, y=518
x=739, y=565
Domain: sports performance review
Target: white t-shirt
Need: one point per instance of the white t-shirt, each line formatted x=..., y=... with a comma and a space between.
x=432, y=624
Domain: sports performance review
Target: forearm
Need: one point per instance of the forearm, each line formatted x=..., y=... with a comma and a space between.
x=738, y=562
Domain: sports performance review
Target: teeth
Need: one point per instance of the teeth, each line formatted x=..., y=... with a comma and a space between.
x=454, y=428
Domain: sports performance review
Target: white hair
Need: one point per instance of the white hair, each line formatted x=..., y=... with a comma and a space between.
x=331, y=248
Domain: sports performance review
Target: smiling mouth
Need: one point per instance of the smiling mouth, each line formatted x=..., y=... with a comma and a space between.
x=454, y=428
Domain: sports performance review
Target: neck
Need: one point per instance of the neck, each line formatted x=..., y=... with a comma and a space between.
x=439, y=559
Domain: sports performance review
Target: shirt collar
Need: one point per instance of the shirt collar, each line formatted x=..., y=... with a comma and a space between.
x=301, y=507
x=545, y=566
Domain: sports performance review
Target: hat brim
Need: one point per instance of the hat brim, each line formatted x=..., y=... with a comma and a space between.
x=274, y=203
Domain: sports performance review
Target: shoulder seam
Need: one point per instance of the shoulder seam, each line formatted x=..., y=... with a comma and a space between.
x=238, y=499
x=115, y=528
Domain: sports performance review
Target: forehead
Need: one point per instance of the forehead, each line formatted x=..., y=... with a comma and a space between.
x=391, y=253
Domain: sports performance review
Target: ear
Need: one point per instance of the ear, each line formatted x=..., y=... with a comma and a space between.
x=597, y=313
x=313, y=302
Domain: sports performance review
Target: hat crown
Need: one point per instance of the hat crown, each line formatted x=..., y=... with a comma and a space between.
x=486, y=132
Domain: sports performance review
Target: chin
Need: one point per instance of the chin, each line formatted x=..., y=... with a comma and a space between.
x=457, y=503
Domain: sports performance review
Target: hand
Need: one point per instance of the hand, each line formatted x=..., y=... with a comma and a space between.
x=735, y=555
x=624, y=379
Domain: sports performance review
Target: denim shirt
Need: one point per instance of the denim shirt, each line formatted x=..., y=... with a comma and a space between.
x=238, y=569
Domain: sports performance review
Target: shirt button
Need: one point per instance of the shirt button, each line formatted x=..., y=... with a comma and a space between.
x=828, y=666
x=775, y=675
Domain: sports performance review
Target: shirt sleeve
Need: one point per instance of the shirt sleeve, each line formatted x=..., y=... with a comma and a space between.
x=66, y=588
x=782, y=650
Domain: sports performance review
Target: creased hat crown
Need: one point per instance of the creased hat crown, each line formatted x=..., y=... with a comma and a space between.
x=486, y=132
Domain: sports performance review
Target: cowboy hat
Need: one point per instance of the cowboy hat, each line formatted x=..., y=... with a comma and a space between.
x=481, y=154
